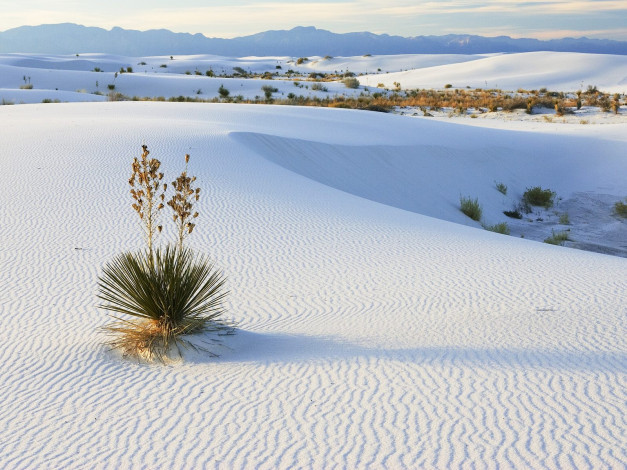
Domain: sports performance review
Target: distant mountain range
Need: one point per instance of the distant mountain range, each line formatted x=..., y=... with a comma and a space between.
x=68, y=38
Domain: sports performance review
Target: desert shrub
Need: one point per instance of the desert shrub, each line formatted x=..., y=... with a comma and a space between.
x=223, y=92
x=448, y=85
x=169, y=292
x=26, y=86
x=501, y=187
x=240, y=71
x=502, y=228
x=510, y=104
x=557, y=238
x=604, y=103
x=537, y=196
x=209, y=73
x=319, y=87
x=351, y=82
x=116, y=96
x=470, y=207
x=377, y=108
x=301, y=60
x=616, y=103
x=530, y=104
x=164, y=66
x=620, y=208
x=268, y=90
x=564, y=219
x=97, y=69
x=514, y=214
x=111, y=86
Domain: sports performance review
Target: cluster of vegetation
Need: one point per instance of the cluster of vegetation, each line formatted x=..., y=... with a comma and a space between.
x=268, y=90
x=170, y=291
x=537, y=196
x=471, y=207
x=557, y=238
x=620, y=208
x=501, y=228
x=27, y=84
x=501, y=188
x=351, y=82
x=481, y=101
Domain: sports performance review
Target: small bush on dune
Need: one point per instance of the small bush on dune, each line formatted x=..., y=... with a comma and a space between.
x=620, y=208
x=514, y=213
x=171, y=293
x=319, y=87
x=223, y=92
x=537, y=196
x=268, y=90
x=351, y=82
x=470, y=207
x=501, y=188
x=502, y=228
x=168, y=292
x=557, y=238
x=564, y=219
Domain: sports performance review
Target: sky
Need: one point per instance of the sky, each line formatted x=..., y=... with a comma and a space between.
x=541, y=19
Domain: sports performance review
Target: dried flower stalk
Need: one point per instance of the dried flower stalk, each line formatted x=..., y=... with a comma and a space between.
x=148, y=193
x=182, y=203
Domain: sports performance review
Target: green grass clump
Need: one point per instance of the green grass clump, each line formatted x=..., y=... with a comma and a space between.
x=537, y=196
x=564, y=219
x=470, y=207
x=502, y=228
x=620, y=208
x=557, y=238
x=501, y=188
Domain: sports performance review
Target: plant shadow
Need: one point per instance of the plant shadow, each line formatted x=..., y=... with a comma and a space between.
x=246, y=346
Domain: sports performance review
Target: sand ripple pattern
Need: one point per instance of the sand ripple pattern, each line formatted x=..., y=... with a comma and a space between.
x=370, y=337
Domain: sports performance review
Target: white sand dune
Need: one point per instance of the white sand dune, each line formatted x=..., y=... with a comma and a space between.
x=64, y=78
x=56, y=84
x=562, y=71
x=371, y=335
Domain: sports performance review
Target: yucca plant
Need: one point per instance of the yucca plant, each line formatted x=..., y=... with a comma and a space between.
x=169, y=294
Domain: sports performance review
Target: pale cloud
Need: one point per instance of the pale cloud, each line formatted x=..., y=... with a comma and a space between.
x=525, y=8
